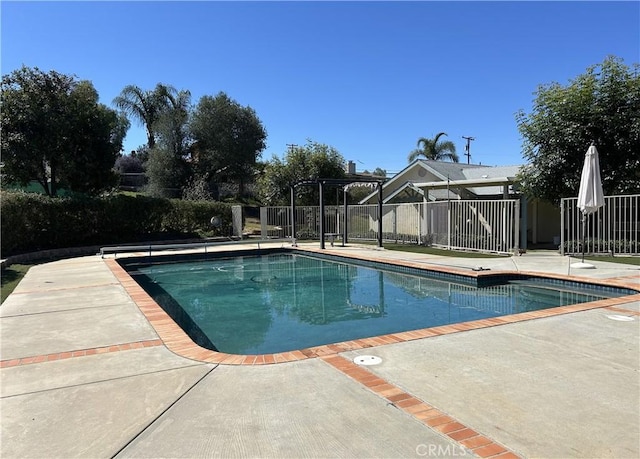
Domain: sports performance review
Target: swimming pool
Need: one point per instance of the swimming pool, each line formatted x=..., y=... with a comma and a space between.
x=277, y=302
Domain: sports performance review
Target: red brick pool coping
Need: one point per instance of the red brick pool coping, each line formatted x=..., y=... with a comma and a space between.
x=80, y=353
x=423, y=412
x=176, y=340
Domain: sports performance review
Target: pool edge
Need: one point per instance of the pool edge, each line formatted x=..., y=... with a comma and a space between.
x=177, y=341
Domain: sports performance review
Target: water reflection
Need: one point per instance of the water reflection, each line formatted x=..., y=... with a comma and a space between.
x=283, y=302
x=319, y=292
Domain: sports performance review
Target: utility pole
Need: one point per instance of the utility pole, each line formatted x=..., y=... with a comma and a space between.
x=467, y=148
x=291, y=146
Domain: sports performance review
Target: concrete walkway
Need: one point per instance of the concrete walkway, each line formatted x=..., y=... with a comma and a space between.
x=84, y=374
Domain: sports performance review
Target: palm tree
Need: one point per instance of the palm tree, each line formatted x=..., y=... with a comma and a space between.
x=178, y=100
x=145, y=106
x=435, y=149
x=171, y=126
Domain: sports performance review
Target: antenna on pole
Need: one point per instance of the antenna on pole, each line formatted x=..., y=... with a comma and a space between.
x=467, y=148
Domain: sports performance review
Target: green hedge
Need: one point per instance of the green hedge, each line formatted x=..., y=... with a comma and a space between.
x=602, y=246
x=32, y=222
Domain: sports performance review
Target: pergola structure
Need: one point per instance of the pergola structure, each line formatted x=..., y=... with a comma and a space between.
x=321, y=183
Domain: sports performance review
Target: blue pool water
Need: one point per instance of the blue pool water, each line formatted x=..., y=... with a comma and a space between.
x=281, y=302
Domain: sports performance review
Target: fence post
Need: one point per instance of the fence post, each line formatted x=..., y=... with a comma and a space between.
x=345, y=229
x=516, y=218
x=449, y=224
x=263, y=222
x=525, y=222
x=236, y=213
x=562, y=224
x=613, y=221
x=321, y=215
x=420, y=216
x=380, y=214
x=293, y=216
x=427, y=222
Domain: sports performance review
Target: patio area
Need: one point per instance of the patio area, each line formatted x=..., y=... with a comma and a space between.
x=90, y=369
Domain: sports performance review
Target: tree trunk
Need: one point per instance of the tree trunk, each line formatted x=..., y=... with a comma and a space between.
x=43, y=180
x=53, y=187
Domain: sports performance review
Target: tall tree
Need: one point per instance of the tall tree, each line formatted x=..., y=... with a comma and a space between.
x=435, y=149
x=167, y=167
x=53, y=130
x=309, y=162
x=145, y=106
x=600, y=106
x=228, y=139
x=171, y=125
x=167, y=173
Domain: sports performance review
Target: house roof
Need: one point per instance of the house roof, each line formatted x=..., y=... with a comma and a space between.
x=466, y=183
x=499, y=175
x=478, y=179
x=453, y=171
x=494, y=171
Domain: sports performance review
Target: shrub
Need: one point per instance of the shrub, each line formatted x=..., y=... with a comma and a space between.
x=602, y=246
x=195, y=217
x=32, y=222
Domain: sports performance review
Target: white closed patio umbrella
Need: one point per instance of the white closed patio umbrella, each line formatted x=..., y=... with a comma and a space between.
x=590, y=195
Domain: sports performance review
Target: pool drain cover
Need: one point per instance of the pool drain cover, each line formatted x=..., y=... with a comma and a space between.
x=367, y=360
x=621, y=318
x=264, y=279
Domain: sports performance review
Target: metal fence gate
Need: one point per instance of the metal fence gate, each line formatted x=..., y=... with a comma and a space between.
x=613, y=229
x=480, y=225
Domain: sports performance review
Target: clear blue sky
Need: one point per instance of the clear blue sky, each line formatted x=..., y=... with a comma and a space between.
x=368, y=78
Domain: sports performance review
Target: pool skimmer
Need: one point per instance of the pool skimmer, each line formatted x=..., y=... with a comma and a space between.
x=367, y=360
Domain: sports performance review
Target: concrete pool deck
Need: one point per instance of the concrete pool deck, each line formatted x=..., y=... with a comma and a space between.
x=86, y=371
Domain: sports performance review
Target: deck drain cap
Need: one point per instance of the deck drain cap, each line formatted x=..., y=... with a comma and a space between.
x=621, y=318
x=367, y=360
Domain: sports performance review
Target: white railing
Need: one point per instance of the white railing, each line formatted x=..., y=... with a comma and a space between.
x=613, y=229
x=152, y=248
x=481, y=225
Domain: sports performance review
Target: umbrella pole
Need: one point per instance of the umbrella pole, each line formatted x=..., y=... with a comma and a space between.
x=584, y=225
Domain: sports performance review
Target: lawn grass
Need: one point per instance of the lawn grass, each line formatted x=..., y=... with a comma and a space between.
x=10, y=278
x=617, y=259
x=415, y=248
x=252, y=224
x=462, y=254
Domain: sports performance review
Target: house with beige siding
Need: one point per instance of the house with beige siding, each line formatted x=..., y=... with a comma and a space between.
x=428, y=181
